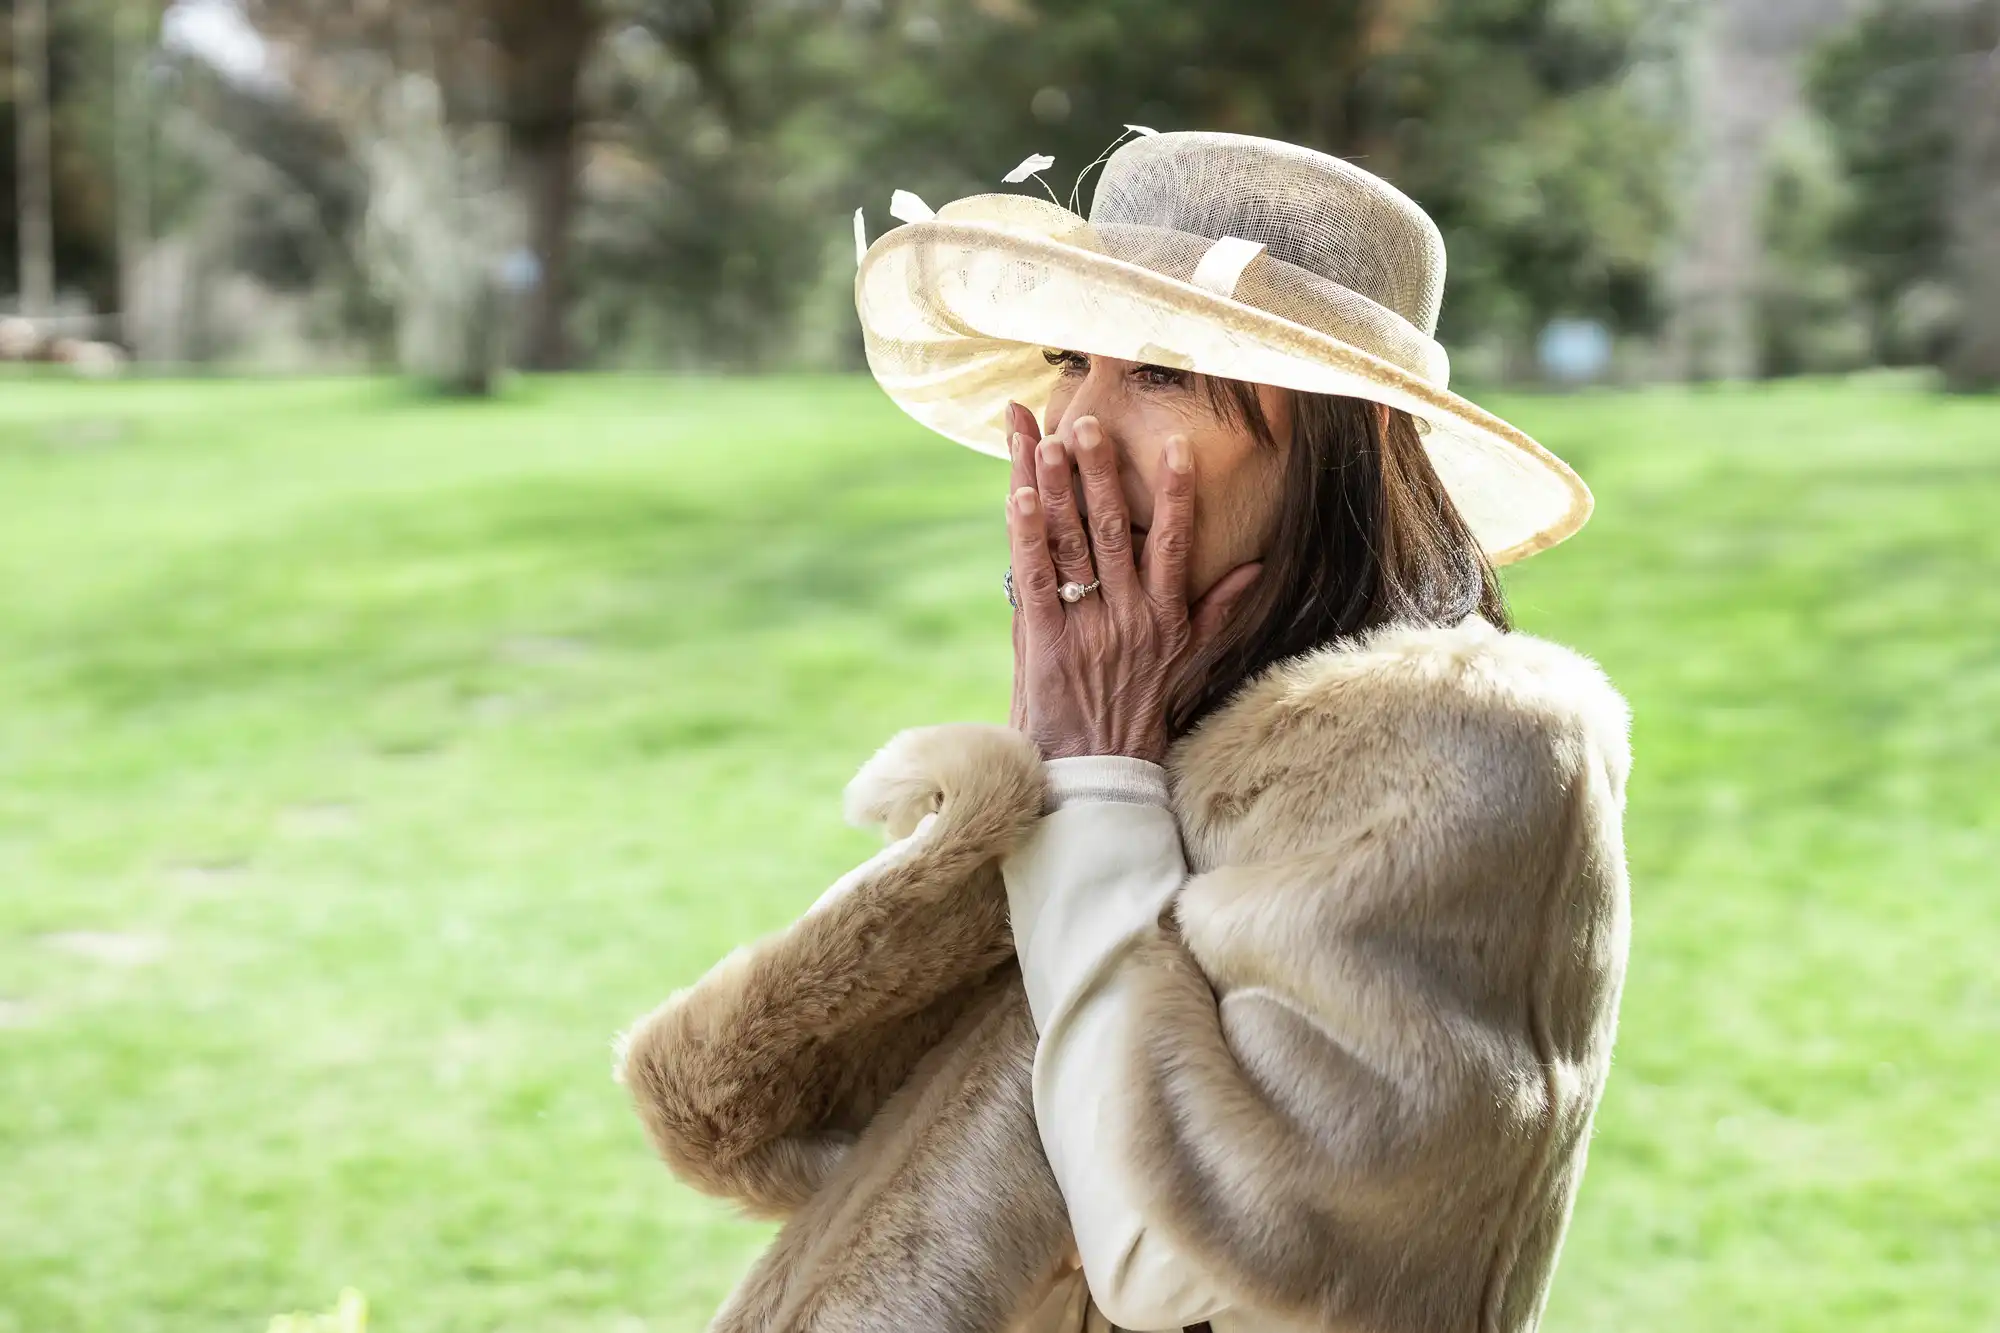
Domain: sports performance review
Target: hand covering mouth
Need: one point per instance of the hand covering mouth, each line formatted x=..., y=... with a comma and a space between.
x=1138, y=529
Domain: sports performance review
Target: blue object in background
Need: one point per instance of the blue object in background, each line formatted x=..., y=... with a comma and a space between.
x=1574, y=351
x=520, y=270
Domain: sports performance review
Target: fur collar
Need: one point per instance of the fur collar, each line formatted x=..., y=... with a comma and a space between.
x=1293, y=734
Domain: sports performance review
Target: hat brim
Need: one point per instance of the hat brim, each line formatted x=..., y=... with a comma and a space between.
x=955, y=314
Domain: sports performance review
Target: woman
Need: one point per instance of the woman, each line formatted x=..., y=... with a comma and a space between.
x=1264, y=973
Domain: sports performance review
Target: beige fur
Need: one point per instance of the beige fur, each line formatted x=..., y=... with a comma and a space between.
x=753, y=1082
x=1379, y=1017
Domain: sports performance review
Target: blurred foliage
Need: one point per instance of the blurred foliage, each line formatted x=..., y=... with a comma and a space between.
x=1884, y=89
x=1809, y=308
x=79, y=44
x=688, y=167
x=675, y=177
x=1517, y=123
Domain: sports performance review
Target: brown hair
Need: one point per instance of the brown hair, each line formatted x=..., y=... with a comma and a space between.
x=1365, y=535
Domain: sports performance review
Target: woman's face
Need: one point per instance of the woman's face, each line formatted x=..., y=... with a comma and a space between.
x=1138, y=407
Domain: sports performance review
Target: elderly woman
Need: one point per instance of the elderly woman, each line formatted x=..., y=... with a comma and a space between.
x=1263, y=974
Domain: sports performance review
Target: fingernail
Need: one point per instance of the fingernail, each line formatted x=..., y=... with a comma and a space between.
x=1087, y=434
x=1177, y=453
x=1024, y=500
x=1051, y=451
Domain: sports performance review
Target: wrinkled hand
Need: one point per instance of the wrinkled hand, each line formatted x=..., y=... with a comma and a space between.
x=1091, y=677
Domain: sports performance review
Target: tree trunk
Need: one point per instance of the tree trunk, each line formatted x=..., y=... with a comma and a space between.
x=543, y=45
x=543, y=166
x=33, y=189
x=131, y=33
x=1974, y=361
x=439, y=223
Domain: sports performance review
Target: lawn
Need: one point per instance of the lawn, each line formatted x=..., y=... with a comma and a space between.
x=366, y=763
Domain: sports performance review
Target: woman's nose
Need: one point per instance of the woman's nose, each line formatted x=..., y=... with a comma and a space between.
x=1092, y=399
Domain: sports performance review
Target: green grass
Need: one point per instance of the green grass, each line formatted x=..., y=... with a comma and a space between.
x=366, y=763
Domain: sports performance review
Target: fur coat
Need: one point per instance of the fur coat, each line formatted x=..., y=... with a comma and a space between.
x=1405, y=853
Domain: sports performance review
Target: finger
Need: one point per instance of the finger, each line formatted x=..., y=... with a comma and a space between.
x=1020, y=447
x=1034, y=574
x=1172, y=533
x=1110, y=530
x=1021, y=469
x=1068, y=547
x=1020, y=421
x=1212, y=612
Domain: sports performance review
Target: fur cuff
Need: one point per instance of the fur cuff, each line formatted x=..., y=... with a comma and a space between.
x=985, y=772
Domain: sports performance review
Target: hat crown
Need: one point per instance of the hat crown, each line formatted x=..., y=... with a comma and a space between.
x=1308, y=208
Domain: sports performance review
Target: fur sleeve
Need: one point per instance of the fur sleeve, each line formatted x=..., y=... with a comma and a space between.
x=1369, y=1057
x=752, y=1082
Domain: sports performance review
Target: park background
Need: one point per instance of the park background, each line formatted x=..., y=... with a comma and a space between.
x=453, y=557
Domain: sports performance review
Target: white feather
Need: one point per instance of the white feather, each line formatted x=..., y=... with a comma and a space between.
x=1031, y=164
x=906, y=207
x=860, y=237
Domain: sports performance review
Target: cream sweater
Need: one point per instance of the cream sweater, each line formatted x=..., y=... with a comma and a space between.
x=1089, y=882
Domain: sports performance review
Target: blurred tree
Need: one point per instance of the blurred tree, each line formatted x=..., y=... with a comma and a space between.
x=1911, y=95
x=542, y=46
x=706, y=154
x=722, y=161
x=1974, y=360
x=32, y=167
x=134, y=28
x=1808, y=311
x=1879, y=85
x=68, y=127
x=511, y=64
x=1515, y=122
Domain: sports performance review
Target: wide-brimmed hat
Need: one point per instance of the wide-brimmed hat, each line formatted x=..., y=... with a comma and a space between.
x=1224, y=254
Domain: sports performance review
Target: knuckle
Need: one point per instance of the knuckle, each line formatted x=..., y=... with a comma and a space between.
x=1109, y=532
x=1172, y=543
x=1070, y=547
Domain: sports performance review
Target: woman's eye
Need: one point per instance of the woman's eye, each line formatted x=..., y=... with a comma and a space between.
x=1076, y=363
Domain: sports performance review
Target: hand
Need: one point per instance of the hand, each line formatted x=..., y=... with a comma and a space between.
x=1091, y=677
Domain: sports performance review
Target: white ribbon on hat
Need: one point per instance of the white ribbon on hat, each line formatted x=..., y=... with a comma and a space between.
x=1224, y=263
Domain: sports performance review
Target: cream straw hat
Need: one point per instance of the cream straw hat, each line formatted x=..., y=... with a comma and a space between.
x=1224, y=254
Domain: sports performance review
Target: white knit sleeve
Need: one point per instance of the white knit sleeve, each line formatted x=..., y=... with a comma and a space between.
x=1089, y=882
